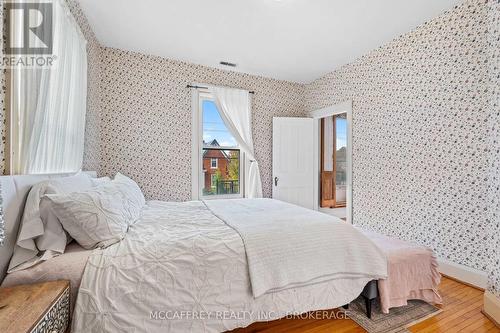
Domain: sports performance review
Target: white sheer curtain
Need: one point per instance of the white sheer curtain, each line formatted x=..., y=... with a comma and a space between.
x=49, y=104
x=235, y=109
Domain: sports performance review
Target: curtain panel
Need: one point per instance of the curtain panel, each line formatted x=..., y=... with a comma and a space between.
x=49, y=104
x=235, y=109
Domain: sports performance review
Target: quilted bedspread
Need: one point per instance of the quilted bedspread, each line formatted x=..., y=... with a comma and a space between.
x=182, y=269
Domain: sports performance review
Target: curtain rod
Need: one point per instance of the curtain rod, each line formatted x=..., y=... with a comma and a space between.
x=198, y=87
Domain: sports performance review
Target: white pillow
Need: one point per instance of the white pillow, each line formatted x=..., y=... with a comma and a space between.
x=99, y=181
x=41, y=235
x=134, y=195
x=100, y=216
x=80, y=181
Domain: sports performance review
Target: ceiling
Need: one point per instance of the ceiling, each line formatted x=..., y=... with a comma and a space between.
x=295, y=40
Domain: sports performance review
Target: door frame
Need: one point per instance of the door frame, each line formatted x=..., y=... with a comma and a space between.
x=344, y=107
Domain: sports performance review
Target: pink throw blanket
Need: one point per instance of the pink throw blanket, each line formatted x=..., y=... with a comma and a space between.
x=412, y=272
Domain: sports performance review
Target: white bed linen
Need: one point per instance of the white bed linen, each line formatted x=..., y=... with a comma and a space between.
x=291, y=246
x=180, y=257
x=41, y=235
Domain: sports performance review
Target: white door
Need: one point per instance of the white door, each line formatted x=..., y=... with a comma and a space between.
x=293, y=160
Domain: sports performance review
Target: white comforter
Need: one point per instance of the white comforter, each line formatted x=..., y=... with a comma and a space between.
x=290, y=246
x=181, y=269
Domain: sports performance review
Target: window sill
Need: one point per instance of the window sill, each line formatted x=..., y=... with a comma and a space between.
x=215, y=197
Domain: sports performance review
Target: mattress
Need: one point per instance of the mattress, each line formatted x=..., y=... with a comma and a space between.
x=67, y=266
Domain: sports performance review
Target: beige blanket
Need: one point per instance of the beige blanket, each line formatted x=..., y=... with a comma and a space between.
x=68, y=266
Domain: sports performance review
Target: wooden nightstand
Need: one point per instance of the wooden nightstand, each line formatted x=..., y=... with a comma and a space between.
x=36, y=308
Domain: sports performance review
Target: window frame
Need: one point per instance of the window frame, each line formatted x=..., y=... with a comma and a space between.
x=197, y=174
x=212, y=163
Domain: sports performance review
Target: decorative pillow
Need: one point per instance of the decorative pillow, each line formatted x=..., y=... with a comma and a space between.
x=41, y=235
x=134, y=195
x=99, y=181
x=80, y=181
x=100, y=216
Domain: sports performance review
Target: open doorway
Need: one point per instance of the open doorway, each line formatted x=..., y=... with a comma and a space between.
x=333, y=164
x=334, y=161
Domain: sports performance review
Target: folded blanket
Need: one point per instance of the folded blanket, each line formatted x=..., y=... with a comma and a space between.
x=289, y=246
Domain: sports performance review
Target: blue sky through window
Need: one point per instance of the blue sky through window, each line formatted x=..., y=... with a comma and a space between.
x=214, y=127
x=341, y=128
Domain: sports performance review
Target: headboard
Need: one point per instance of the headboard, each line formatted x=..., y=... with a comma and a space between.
x=15, y=190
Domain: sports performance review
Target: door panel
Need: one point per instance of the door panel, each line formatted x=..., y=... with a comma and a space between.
x=293, y=163
x=327, y=192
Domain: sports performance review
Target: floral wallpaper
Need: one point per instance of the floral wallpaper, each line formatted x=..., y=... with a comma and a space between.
x=494, y=128
x=146, y=118
x=3, y=90
x=420, y=144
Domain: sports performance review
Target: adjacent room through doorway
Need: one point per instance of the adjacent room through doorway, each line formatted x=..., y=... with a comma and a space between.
x=333, y=164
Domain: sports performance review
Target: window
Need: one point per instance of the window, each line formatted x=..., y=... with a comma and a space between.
x=219, y=170
x=213, y=163
x=340, y=159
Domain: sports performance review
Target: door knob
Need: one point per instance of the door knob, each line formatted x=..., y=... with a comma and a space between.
x=276, y=181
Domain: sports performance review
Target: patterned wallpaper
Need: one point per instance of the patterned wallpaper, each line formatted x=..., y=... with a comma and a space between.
x=92, y=135
x=146, y=118
x=3, y=85
x=419, y=140
x=494, y=128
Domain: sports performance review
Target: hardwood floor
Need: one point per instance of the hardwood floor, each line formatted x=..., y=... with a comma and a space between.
x=461, y=313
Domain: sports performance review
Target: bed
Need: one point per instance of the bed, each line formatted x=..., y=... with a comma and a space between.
x=205, y=266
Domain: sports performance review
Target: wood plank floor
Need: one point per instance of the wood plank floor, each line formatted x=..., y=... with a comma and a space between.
x=461, y=313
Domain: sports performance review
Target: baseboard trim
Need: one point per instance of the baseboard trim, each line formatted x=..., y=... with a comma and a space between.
x=467, y=275
x=492, y=308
